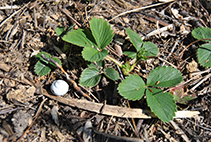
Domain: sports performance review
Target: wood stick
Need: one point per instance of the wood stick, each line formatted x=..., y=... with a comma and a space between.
x=138, y=9
x=14, y=13
x=112, y=110
x=35, y=118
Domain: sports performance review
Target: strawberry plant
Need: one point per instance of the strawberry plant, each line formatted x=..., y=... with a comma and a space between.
x=161, y=103
x=43, y=67
x=204, y=52
x=92, y=75
x=143, y=50
x=133, y=87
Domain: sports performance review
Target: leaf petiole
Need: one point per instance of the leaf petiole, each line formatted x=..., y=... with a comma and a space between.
x=114, y=60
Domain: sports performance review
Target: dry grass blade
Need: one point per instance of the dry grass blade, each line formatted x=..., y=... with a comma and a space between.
x=9, y=7
x=158, y=31
x=3, y=76
x=204, y=79
x=179, y=131
x=13, y=14
x=65, y=11
x=138, y=9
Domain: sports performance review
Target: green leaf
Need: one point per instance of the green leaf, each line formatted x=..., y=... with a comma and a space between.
x=40, y=57
x=92, y=65
x=59, y=30
x=202, y=33
x=80, y=37
x=204, y=55
x=152, y=49
x=100, y=63
x=90, y=77
x=57, y=60
x=132, y=88
x=126, y=68
x=141, y=54
x=70, y=28
x=41, y=69
x=135, y=39
x=111, y=74
x=164, y=77
x=91, y=54
x=66, y=47
x=101, y=31
x=130, y=54
x=162, y=104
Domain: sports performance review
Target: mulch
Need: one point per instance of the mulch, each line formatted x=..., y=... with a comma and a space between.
x=30, y=112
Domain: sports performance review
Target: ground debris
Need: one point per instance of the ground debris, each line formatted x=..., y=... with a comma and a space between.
x=27, y=28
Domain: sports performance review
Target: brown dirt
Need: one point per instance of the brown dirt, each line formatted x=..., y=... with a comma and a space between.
x=29, y=31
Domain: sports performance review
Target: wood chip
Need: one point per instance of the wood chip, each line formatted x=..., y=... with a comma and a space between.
x=4, y=66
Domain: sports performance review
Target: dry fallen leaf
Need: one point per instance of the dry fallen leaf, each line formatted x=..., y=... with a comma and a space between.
x=21, y=94
x=87, y=133
x=54, y=113
x=191, y=67
x=4, y=66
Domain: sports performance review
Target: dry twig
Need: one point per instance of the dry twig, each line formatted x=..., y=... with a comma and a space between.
x=13, y=14
x=181, y=54
x=167, y=62
x=119, y=138
x=65, y=11
x=114, y=110
x=179, y=131
x=204, y=79
x=35, y=118
x=138, y=9
x=158, y=31
x=3, y=76
x=9, y=7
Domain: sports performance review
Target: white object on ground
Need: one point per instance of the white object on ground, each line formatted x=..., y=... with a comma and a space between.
x=59, y=87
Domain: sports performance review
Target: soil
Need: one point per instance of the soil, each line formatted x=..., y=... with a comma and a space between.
x=27, y=113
